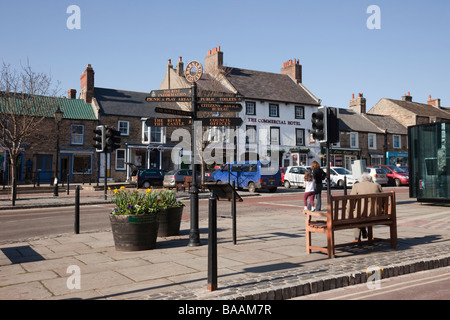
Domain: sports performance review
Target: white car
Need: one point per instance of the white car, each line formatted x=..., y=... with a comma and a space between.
x=378, y=175
x=295, y=176
x=337, y=175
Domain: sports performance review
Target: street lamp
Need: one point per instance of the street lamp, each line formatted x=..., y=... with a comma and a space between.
x=58, y=117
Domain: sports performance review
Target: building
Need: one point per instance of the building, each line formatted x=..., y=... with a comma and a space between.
x=276, y=112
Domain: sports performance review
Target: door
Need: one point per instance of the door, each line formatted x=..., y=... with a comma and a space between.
x=44, y=165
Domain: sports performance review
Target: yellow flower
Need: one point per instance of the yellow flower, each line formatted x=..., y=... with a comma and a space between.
x=148, y=191
x=122, y=188
x=116, y=191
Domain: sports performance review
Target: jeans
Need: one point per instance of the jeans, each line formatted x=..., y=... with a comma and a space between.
x=318, y=194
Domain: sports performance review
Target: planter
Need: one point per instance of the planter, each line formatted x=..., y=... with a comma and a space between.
x=134, y=232
x=169, y=221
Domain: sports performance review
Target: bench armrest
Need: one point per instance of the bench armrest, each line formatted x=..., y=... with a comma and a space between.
x=315, y=213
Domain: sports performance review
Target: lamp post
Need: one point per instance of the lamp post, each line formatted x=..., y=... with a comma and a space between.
x=58, y=117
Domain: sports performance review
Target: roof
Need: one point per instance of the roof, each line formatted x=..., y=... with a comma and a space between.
x=128, y=103
x=72, y=108
x=387, y=122
x=422, y=109
x=353, y=121
x=268, y=86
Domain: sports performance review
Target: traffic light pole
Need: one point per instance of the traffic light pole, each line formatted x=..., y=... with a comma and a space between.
x=104, y=175
x=194, y=234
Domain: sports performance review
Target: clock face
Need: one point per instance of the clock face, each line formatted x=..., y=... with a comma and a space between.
x=194, y=71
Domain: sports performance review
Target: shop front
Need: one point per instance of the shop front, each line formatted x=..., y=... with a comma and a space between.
x=397, y=158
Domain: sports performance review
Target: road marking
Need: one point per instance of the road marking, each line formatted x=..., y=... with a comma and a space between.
x=383, y=290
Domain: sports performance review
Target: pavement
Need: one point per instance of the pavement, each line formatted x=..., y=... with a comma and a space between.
x=268, y=262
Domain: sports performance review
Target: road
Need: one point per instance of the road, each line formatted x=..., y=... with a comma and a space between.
x=425, y=285
x=22, y=224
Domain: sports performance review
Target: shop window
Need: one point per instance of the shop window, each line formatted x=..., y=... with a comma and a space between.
x=82, y=164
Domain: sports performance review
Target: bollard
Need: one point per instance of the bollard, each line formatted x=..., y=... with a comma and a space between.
x=233, y=211
x=77, y=210
x=68, y=184
x=212, y=243
x=345, y=185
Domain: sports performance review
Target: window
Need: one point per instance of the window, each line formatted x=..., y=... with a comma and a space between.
x=273, y=110
x=120, y=159
x=299, y=137
x=250, y=136
x=274, y=135
x=250, y=108
x=82, y=164
x=397, y=144
x=152, y=134
x=124, y=128
x=299, y=112
x=77, y=134
x=372, y=141
x=354, y=140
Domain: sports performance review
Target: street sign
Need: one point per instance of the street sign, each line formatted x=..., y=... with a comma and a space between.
x=221, y=122
x=168, y=99
x=182, y=92
x=168, y=122
x=194, y=71
x=219, y=99
x=174, y=112
x=220, y=107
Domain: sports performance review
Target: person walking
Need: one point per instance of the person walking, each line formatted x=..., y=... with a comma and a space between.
x=309, y=184
x=318, y=176
x=365, y=186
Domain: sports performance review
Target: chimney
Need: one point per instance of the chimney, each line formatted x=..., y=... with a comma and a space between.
x=407, y=97
x=87, y=84
x=214, y=60
x=293, y=68
x=180, y=67
x=359, y=104
x=72, y=94
x=434, y=102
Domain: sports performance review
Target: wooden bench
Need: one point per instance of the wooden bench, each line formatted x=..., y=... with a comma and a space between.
x=351, y=212
x=186, y=185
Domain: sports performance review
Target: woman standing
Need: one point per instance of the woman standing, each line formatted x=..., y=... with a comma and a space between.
x=318, y=175
x=309, y=185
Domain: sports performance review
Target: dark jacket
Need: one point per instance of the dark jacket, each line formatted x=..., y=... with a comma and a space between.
x=318, y=175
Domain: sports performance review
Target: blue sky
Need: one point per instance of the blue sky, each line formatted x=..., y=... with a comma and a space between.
x=128, y=43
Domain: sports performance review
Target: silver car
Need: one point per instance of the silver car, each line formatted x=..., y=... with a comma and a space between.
x=378, y=175
x=174, y=177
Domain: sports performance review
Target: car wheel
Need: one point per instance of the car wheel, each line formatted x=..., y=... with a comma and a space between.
x=251, y=187
x=146, y=184
x=287, y=185
x=340, y=183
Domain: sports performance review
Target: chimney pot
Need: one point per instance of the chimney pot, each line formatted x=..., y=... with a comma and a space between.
x=72, y=94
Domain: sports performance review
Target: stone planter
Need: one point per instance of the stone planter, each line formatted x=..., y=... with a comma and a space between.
x=169, y=221
x=134, y=232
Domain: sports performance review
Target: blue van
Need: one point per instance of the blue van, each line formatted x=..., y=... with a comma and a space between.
x=249, y=174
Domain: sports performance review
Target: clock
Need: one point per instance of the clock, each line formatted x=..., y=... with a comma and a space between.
x=194, y=71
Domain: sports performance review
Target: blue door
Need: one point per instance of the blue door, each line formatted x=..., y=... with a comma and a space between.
x=44, y=165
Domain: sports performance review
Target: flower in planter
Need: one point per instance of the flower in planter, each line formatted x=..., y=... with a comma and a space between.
x=138, y=203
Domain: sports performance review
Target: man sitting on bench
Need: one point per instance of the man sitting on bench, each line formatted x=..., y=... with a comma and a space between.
x=364, y=186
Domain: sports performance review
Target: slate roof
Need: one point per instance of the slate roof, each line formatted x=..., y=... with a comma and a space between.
x=422, y=109
x=268, y=86
x=128, y=103
x=388, y=123
x=353, y=121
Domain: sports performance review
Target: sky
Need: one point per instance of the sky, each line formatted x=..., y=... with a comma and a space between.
x=128, y=43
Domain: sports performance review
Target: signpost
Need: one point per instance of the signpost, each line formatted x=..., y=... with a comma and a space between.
x=193, y=73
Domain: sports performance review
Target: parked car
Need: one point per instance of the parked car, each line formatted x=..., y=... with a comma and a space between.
x=395, y=174
x=249, y=174
x=378, y=175
x=337, y=175
x=174, y=177
x=294, y=176
x=149, y=177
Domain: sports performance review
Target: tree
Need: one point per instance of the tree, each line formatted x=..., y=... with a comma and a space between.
x=26, y=99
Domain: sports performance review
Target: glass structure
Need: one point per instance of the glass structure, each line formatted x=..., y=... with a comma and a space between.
x=429, y=160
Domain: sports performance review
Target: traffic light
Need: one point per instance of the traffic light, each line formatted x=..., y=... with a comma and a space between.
x=99, y=138
x=332, y=125
x=112, y=139
x=319, y=124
